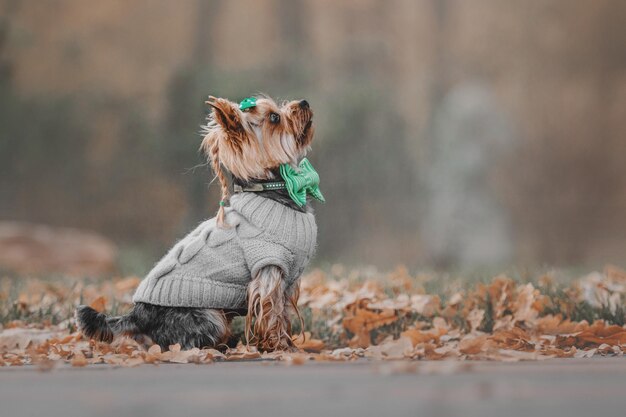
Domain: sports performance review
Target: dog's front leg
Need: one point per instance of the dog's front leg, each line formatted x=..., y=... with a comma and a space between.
x=267, y=322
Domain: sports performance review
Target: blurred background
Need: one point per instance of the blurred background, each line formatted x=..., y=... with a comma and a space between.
x=450, y=133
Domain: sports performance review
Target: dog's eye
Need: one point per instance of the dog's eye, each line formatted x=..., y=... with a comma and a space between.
x=274, y=118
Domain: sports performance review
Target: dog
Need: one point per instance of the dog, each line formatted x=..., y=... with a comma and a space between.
x=248, y=259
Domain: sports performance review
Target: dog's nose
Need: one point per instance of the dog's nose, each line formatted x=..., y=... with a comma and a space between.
x=304, y=104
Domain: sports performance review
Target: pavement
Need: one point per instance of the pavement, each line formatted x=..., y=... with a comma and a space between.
x=568, y=387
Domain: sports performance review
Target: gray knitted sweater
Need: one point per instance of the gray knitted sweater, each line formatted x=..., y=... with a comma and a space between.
x=211, y=267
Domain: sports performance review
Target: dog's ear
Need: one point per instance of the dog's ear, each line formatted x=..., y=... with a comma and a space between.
x=227, y=114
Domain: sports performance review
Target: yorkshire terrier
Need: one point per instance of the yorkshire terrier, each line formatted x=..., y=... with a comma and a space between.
x=249, y=258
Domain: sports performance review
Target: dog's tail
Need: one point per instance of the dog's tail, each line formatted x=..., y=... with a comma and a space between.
x=98, y=326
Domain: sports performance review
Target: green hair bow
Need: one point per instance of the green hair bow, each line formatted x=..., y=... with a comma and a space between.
x=247, y=103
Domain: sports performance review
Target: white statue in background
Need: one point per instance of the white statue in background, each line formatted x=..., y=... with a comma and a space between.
x=465, y=224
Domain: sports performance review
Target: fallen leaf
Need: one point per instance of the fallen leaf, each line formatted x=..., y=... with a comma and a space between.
x=359, y=320
x=307, y=343
x=79, y=359
x=473, y=344
x=475, y=318
x=392, y=349
x=99, y=304
x=417, y=336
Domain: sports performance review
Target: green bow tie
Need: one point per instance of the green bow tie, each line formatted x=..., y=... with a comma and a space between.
x=301, y=182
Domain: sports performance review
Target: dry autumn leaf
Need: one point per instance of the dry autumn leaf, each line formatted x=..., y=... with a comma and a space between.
x=417, y=336
x=99, y=304
x=360, y=321
x=307, y=343
x=473, y=344
x=79, y=359
x=392, y=349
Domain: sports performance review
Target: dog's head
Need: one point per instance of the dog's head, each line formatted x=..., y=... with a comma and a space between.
x=252, y=143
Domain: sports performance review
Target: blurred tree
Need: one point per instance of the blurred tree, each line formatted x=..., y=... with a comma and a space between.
x=35, y=137
x=5, y=67
x=565, y=183
x=368, y=179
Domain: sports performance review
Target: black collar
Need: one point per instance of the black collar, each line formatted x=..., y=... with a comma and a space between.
x=257, y=187
x=272, y=189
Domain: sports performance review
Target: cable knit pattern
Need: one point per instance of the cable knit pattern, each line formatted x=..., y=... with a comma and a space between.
x=211, y=267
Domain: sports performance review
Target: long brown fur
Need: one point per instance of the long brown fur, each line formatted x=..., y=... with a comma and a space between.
x=267, y=322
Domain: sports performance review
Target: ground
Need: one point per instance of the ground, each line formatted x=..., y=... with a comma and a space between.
x=557, y=387
x=376, y=344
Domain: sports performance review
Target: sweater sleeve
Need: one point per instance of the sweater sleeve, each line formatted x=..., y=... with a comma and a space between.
x=260, y=253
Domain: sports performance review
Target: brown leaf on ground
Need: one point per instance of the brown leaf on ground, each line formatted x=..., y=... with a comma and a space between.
x=79, y=359
x=417, y=336
x=473, y=344
x=307, y=343
x=475, y=318
x=296, y=358
x=238, y=356
x=514, y=339
x=99, y=304
x=359, y=320
x=524, y=305
x=391, y=349
x=554, y=325
x=21, y=338
x=181, y=356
